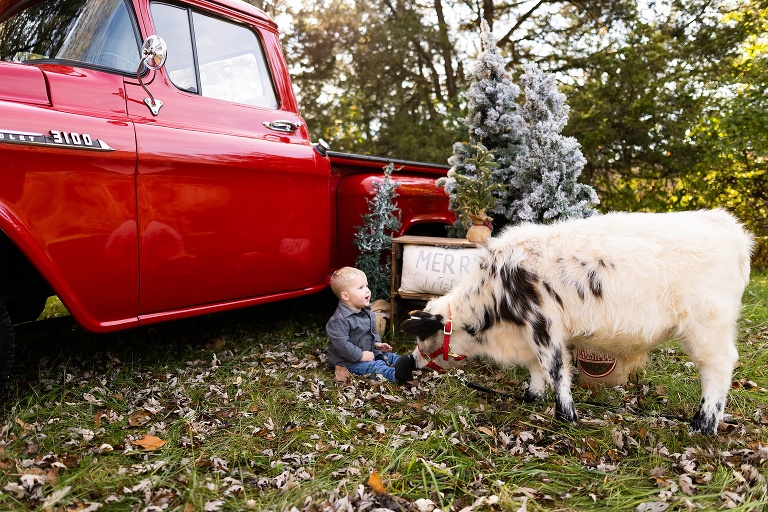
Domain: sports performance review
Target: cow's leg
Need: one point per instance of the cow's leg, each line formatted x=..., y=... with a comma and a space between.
x=560, y=373
x=715, y=356
x=538, y=384
x=555, y=363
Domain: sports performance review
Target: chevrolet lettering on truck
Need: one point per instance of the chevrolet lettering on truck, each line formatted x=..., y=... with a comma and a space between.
x=154, y=165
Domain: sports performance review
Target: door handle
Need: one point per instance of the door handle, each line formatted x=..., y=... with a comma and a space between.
x=282, y=125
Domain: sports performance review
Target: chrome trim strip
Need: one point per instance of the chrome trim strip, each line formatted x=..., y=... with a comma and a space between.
x=60, y=139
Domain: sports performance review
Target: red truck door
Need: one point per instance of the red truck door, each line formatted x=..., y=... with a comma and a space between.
x=232, y=199
x=67, y=186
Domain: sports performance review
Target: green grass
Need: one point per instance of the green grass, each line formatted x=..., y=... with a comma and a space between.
x=251, y=419
x=53, y=309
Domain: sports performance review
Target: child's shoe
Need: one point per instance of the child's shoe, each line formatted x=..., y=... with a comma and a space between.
x=404, y=369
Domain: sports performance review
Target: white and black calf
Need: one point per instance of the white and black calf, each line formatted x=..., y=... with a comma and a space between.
x=620, y=283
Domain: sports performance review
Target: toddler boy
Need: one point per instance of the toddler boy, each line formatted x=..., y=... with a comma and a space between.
x=353, y=340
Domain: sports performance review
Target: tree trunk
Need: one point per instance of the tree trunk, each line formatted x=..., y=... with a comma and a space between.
x=445, y=50
x=488, y=13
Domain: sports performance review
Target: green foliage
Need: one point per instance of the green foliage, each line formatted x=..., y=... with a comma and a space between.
x=733, y=173
x=374, y=237
x=367, y=78
x=477, y=193
x=53, y=309
x=641, y=98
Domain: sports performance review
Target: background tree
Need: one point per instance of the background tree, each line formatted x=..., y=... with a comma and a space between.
x=667, y=113
x=372, y=77
x=667, y=98
x=734, y=173
x=640, y=98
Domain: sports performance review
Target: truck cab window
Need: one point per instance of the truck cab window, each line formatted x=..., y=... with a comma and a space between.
x=172, y=24
x=224, y=60
x=96, y=32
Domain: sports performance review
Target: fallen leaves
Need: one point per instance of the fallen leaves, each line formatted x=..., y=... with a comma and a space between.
x=487, y=431
x=239, y=428
x=37, y=480
x=746, y=384
x=693, y=465
x=56, y=496
x=686, y=484
x=148, y=442
x=652, y=506
x=375, y=483
x=139, y=418
x=26, y=428
x=342, y=375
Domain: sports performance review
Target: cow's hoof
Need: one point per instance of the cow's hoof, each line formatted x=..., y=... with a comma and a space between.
x=567, y=414
x=532, y=396
x=705, y=424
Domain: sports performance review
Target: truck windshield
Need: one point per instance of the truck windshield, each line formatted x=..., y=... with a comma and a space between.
x=95, y=32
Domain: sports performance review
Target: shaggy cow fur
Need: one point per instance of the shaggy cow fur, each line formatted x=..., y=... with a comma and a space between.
x=620, y=283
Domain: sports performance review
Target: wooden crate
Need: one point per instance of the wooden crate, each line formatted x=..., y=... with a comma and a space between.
x=403, y=302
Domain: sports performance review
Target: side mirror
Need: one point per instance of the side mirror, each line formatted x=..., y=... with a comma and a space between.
x=154, y=51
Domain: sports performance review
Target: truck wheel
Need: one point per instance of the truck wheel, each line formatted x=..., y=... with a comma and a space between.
x=7, y=347
x=27, y=309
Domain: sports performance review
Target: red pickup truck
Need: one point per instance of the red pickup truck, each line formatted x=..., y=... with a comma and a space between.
x=141, y=189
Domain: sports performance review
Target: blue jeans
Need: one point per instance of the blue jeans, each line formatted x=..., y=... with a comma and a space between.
x=377, y=367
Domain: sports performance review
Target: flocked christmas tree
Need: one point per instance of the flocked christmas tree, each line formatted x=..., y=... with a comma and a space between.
x=538, y=166
x=547, y=168
x=492, y=123
x=374, y=237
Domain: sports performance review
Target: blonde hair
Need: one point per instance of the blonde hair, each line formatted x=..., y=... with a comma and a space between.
x=342, y=277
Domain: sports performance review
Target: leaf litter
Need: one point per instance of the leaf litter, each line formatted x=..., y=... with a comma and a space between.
x=261, y=424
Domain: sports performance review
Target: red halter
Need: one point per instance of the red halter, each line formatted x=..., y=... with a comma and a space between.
x=445, y=349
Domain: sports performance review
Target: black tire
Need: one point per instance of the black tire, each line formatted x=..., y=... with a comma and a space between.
x=25, y=308
x=7, y=347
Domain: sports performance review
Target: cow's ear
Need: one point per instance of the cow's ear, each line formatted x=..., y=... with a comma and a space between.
x=422, y=324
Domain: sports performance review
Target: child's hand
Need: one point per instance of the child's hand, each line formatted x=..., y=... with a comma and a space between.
x=367, y=356
x=384, y=347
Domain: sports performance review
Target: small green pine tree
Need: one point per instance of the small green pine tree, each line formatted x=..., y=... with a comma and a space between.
x=476, y=194
x=374, y=237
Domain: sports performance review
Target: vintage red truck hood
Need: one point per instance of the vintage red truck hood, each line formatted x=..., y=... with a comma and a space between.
x=24, y=84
